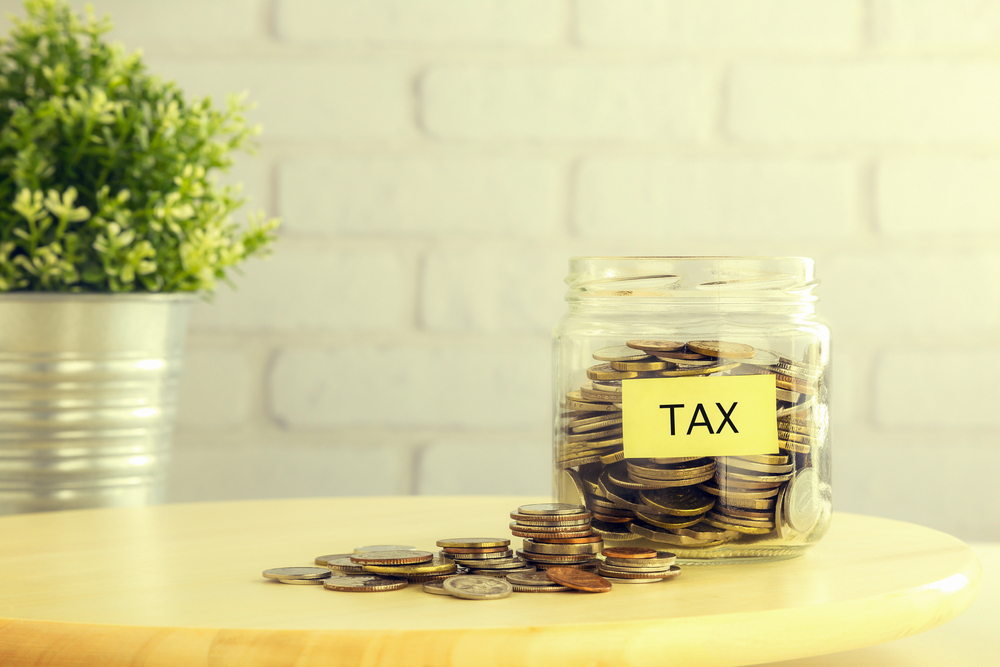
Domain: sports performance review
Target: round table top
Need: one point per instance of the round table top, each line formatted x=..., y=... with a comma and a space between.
x=182, y=584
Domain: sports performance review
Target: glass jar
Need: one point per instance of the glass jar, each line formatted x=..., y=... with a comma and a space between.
x=691, y=403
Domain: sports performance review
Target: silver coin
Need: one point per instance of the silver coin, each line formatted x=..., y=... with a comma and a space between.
x=551, y=508
x=297, y=573
x=436, y=587
x=499, y=564
x=303, y=582
x=364, y=583
x=344, y=564
x=619, y=580
x=621, y=353
x=530, y=579
x=802, y=503
x=383, y=547
x=323, y=560
x=478, y=587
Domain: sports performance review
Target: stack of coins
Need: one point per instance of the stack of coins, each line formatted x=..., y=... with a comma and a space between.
x=409, y=565
x=485, y=556
x=298, y=575
x=556, y=534
x=634, y=565
x=690, y=503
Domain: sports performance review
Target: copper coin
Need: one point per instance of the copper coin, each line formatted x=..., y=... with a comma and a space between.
x=392, y=557
x=579, y=580
x=629, y=552
x=473, y=542
x=612, y=518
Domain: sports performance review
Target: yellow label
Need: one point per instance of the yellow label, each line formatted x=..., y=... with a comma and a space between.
x=728, y=415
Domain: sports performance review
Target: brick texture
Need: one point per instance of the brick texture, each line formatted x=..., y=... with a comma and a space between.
x=464, y=385
x=937, y=24
x=729, y=25
x=915, y=390
x=939, y=195
x=912, y=293
x=305, y=99
x=507, y=288
x=215, y=388
x=429, y=21
x=916, y=102
x=721, y=197
x=309, y=289
x=420, y=196
x=569, y=102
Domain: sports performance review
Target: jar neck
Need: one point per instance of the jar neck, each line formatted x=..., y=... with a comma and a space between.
x=771, y=285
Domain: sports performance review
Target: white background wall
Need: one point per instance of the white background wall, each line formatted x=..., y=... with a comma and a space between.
x=436, y=162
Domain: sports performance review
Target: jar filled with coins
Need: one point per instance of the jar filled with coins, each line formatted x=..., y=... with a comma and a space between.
x=691, y=404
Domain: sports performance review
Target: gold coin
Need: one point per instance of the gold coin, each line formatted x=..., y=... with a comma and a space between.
x=600, y=396
x=650, y=346
x=667, y=484
x=654, y=365
x=748, y=503
x=613, y=457
x=613, y=532
x=606, y=372
x=592, y=435
x=593, y=423
x=592, y=407
x=473, y=542
x=795, y=447
x=721, y=521
x=788, y=396
x=608, y=386
x=721, y=349
x=670, y=471
x=766, y=459
x=766, y=522
x=657, y=535
x=731, y=492
x=434, y=566
x=669, y=521
x=705, y=531
x=323, y=560
x=731, y=462
x=743, y=513
x=564, y=464
x=569, y=481
x=680, y=501
x=700, y=370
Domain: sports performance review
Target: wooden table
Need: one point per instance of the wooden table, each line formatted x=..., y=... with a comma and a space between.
x=181, y=585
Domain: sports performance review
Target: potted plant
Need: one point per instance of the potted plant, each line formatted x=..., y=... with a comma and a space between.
x=111, y=223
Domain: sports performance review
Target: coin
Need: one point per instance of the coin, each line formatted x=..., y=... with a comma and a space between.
x=521, y=532
x=590, y=539
x=613, y=532
x=489, y=555
x=323, y=560
x=802, y=503
x=704, y=531
x=383, y=547
x=606, y=372
x=434, y=566
x=520, y=588
x=392, y=557
x=722, y=521
x=552, y=511
x=630, y=553
x=619, y=353
x=561, y=549
x=525, y=523
x=435, y=587
x=743, y=494
x=366, y=583
x=534, y=557
x=296, y=573
x=663, y=559
x=650, y=346
x=477, y=587
x=344, y=564
x=715, y=348
x=653, y=365
x=657, y=535
x=669, y=521
x=579, y=580
x=473, y=542
x=593, y=423
x=698, y=370
x=681, y=501
x=473, y=550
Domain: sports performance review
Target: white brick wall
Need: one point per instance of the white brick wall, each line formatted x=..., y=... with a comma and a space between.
x=437, y=162
x=568, y=102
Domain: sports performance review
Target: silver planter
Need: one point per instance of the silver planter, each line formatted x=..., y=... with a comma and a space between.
x=88, y=397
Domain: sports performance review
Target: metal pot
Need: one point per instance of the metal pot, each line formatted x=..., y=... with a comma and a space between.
x=88, y=396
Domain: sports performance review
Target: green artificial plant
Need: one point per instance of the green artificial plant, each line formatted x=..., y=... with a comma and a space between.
x=107, y=174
